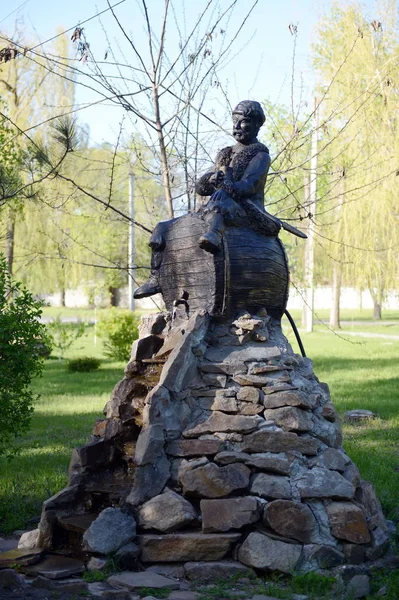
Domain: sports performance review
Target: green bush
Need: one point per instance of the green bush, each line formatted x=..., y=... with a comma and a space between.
x=21, y=333
x=119, y=329
x=83, y=364
x=63, y=334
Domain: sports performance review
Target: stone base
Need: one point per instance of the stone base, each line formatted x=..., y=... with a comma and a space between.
x=219, y=444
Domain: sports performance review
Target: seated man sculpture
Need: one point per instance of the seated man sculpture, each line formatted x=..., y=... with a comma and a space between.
x=236, y=188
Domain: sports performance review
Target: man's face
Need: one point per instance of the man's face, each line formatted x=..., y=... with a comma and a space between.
x=245, y=129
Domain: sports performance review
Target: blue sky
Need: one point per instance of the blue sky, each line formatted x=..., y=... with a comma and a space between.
x=262, y=66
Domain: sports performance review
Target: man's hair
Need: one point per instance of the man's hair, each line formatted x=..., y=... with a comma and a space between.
x=252, y=110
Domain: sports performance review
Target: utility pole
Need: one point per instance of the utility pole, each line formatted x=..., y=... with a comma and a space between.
x=309, y=267
x=132, y=241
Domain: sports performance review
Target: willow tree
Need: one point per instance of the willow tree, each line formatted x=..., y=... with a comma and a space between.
x=357, y=62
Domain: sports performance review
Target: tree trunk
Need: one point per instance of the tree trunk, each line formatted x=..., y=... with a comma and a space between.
x=10, y=240
x=162, y=151
x=336, y=296
x=376, y=296
x=62, y=296
x=377, y=311
x=113, y=296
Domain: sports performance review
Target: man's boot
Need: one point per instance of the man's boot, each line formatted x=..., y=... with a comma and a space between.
x=211, y=241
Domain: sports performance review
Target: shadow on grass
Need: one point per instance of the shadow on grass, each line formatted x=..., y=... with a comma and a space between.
x=58, y=380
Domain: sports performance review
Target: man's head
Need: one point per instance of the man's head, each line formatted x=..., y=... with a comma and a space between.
x=248, y=117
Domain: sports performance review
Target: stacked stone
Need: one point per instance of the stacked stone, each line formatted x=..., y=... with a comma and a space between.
x=238, y=457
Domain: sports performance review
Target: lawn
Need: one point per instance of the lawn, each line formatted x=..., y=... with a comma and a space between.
x=361, y=373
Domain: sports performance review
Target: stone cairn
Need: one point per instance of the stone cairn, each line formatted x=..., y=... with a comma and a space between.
x=220, y=447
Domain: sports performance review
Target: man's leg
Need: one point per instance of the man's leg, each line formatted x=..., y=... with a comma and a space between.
x=157, y=245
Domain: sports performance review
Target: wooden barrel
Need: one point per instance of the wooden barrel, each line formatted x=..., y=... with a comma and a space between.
x=250, y=271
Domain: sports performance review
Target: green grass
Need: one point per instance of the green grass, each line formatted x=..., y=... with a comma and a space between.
x=63, y=419
x=282, y=587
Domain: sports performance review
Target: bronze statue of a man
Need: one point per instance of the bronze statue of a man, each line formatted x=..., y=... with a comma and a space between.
x=236, y=183
x=236, y=188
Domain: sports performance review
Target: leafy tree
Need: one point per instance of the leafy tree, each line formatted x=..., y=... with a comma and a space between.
x=20, y=336
x=358, y=69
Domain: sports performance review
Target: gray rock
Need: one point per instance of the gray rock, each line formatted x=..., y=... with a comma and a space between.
x=194, y=447
x=290, y=398
x=223, y=368
x=161, y=411
x=248, y=324
x=315, y=557
x=176, y=547
x=149, y=480
x=175, y=570
x=149, y=445
x=327, y=432
x=359, y=414
x=181, y=368
x=366, y=496
x=250, y=352
x=379, y=544
x=249, y=394
x=228, y=457
x=359, y=586
x=181, y=465
x=210, y=571
x=152, y=324
x=215, y=379
x=323, y=483
x=322, y=534
x=111, y=530
x=352, y=474
x=100, y=589
x=145, y=347
x=126, y=556
x=265, y=461
x=211, y=481
x=290, y=519
x=348, y=522
x=167, y=512
x=57, y=567
x=330, y=459
x=230, y=513
x=133, y=581
x=270, y=486
x=354, y=553
x=249, y=408
x=225, y=404
x=29, y=539
x=290, y=418
x=42, y=583
x=279, y=441
x=328, y=412
x=219, y=421
x=10, y=580
x=183, y=595
x=21, y=557
x=96, y=563
x=261, y=552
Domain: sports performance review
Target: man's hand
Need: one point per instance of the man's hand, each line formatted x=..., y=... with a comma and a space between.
x=216, y=178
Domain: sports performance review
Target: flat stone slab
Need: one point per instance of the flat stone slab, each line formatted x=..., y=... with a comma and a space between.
x=6, y=545
x=57, y=567
x=250, y=352
x=20, y=557
x=279, y=441
x=208, y=571
x=186, y=546
x=132, y=581
x=359, y=414
x=78, y=523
